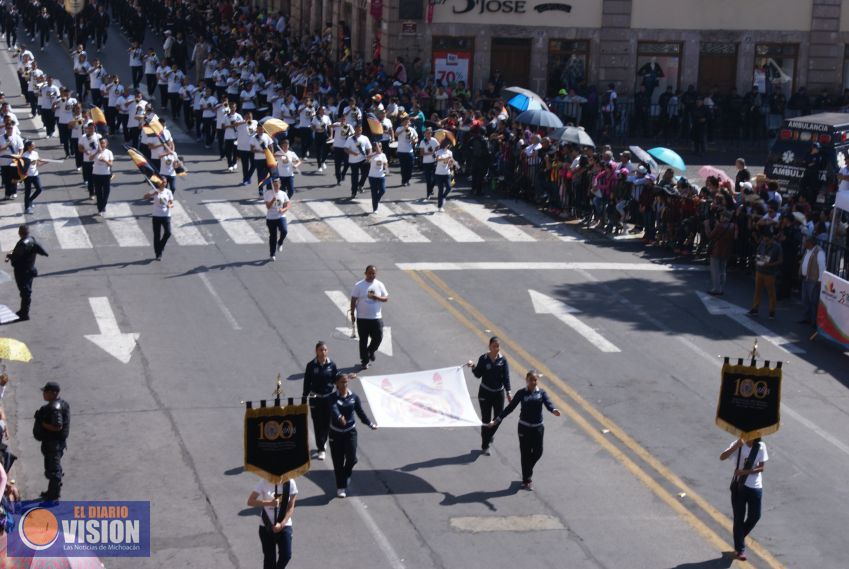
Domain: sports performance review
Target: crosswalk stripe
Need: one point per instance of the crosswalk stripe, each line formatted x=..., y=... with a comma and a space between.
x=393, y=222
x=124, y=226
x=232, y=221
x=453, y=228
x=540, y=220
x=68, y=226
x=494, y=221
x=339, y=222
x=10, y=221
x=297, y=232
x=185, y=232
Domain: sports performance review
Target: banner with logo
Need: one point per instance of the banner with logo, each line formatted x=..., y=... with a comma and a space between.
x=276, y=445
x=431, y=398
x=833, y=310
x=749, y=399
x=76, y=529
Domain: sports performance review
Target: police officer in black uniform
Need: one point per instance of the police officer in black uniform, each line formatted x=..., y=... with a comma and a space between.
x=51, y=428
x=319, y=382
x=494, y=373
x=23, y=262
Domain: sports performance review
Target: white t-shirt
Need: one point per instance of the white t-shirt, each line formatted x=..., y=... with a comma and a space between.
x=265, y=491
x=428, y=147
x=259, y=143
x=100, y=167
x=136, y=110
x=360, y=145
x=65, y=111
x=280, y=197
x=150, y=64
x=136, y=57
x=405, y=142
x=175, y=79
x=230, y=132
x=339, y=138
x=442, y=167
x=377, y=166
x=208, y=106
x=284, y=164
x=244, y=133
x=368, y=308
x=753, y=480
x=90, y=144
x=160, y=203
x=159, y=144
x=321, y=124
x=305, y=115
x=166, y=164
x=33, y=165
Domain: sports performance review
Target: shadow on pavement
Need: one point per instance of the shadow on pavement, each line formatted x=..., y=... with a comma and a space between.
x=480, y=497
x=467, y=458
x=221, y=267
x=365, y=483
x=100, y=267
x=722, y=562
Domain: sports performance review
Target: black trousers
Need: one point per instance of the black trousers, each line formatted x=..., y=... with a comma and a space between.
x=208, y=130
x=151, y=84
x=530, y=447
x=340, y=162
x=429, y=176
x=29, y=196
x=161, y=233
x=65, y=138
x=343, y=451
x=492, y=404
x=137, y=72
x=163, y=96
x=276, y=547
x=8, y=174
x=478, y=175
x=102, y=184
x=359, y=173
x=277, y=232
x=88, y=177
x=369, y=329
x=248, y=162
x=48, y=118
x=230, y=151
x=53, y=451
x=321, y=148
x=23, y=278
x=320, y=412
x=406, y=161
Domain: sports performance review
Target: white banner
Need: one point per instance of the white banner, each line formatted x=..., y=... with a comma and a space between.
x=833, y=310
x=431, y=398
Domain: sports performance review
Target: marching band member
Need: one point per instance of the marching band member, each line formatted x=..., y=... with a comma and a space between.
x=407, y=140
x=168, y=163
x=494, y=372
x=531, y=430
x=137, y=108
x=101, y=174
x=342, y=131
x=321, y=127
x=76, y=131
x=88, y=146
x=136, y=64
x=48, y=98
x=378, y=164
x=96, y=76
x=222, y=110
x=343, y=432
x=208, y=105
x=231, y=133
x=358, y=147
x=277, y=203
x=306, y=113
x=427, y=148
x=159, y=145
x=151, y=63
x=319, y=378
x=444, y=162
x=287, y=164
x=32, y=180
x=163, y=201
x=64, y=116
x=259, y=143
x=244, y=134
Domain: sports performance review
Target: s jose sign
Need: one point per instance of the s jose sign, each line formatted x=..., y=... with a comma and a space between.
x=499, y=6
x=578, y=13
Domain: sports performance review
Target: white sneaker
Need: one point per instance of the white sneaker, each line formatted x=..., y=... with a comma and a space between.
x=321, y=455
x=273, y=258
x=441, y=209
x=340, y=493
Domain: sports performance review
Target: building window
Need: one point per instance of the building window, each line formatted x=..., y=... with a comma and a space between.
x=658, y=68
x=452, y=60
x=775, y=68
x=568, y=63
x=717, y=67
x=410, y=9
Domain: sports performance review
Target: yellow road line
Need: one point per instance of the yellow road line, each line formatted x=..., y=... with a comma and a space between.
x=594, y=432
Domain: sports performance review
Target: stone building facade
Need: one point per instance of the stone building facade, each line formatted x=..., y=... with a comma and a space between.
x=547, y=45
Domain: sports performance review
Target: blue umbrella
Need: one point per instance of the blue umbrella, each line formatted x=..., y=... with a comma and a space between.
x=524, y=103
x=668, y=156
x=538, y=117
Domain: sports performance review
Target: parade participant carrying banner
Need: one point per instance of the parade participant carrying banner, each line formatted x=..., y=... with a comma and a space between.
x=749, y=399
x=431, y=398
x=276, y=446
x=144, y=167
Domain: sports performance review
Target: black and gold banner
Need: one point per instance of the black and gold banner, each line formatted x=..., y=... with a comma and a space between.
x=749, y=400
x=276, y=444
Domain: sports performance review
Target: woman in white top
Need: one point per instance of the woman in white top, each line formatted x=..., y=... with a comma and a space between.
x=277, y=204
x=444, y=160
x=101, y=173
x=32, y=180
x=168, y=168
x=746, y=488
x=287, y=163
x=275, y=534
x=163, y=201
x=427, y=147
x=321, y=128
x=378, y=164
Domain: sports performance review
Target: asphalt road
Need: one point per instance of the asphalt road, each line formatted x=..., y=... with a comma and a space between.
x=630, y=477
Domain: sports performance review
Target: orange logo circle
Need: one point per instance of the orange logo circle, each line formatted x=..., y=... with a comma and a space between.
x=39, y=529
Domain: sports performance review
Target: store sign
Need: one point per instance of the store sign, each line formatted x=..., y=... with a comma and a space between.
x=577, y=13
x=449, y=67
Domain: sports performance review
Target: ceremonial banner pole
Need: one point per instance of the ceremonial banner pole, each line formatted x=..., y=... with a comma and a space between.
x=749, y=403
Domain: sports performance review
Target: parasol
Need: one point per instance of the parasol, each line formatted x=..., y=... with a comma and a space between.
x=525, y=99
x=644, y=157
x=273, y=126
x=668, y=156
x=14, y=350
x=442, y=134
x=541, y=118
